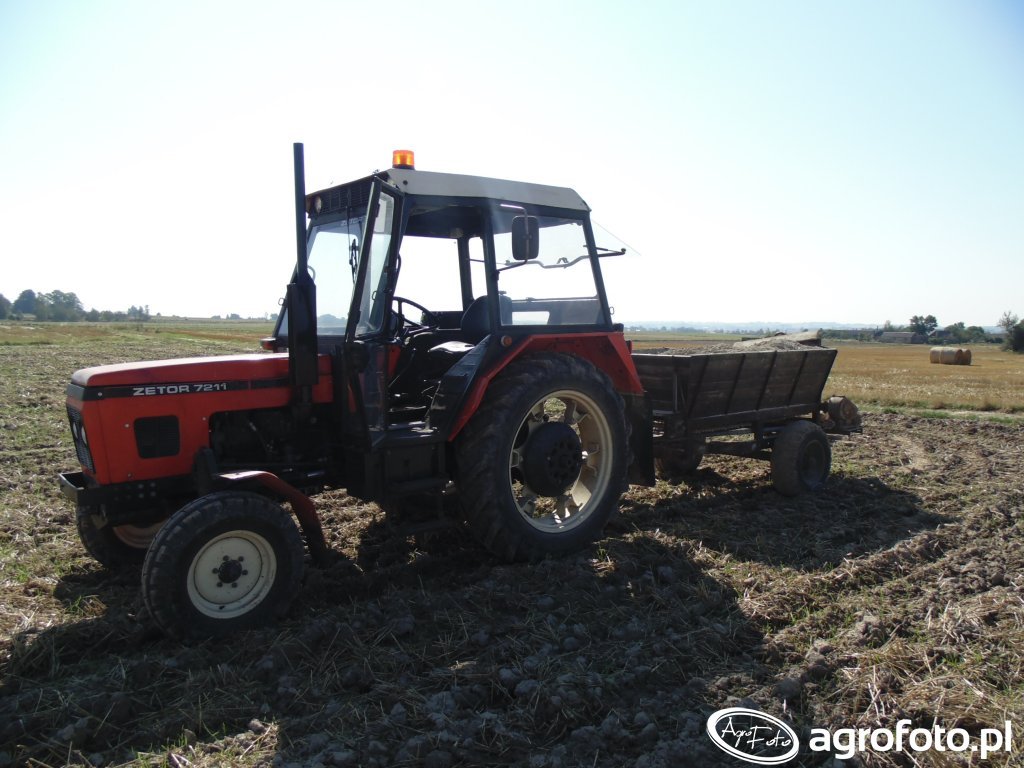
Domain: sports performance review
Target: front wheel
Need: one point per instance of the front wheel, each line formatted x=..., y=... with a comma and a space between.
x=225, y=562
x=542, y=463
x=801, y=458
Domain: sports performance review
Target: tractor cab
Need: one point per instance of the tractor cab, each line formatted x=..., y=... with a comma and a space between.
x=416, y=270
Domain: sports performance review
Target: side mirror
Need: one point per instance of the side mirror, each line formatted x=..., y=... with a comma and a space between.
x=525, y=238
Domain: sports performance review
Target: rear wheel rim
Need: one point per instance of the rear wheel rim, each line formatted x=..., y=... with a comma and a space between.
x=232, y=574
x=572, y=507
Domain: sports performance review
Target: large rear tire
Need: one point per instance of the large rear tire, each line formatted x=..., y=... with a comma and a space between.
x=542, y=464
x=223, y=563
x=801, y=458
x=114, y=546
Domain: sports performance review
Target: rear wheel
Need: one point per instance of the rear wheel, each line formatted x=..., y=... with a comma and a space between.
x=223, y=563
x=542, y=463
x=115, y=546
x=801, y=458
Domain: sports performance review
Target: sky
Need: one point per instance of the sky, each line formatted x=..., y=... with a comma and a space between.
x=765, y=161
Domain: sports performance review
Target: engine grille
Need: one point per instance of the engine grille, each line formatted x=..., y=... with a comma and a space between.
x=157, y=436
x=81, y=439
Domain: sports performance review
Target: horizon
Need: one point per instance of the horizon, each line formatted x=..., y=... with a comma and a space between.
x=672, y=324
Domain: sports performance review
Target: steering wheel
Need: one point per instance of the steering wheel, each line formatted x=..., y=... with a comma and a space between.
x=408, y=327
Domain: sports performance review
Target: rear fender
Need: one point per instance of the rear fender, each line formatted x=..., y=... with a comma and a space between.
x=608, y=352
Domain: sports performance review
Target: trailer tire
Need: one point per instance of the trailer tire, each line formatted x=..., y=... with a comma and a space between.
x=677, y=465
x=801, y=458
x=223, y=563
x=114, y=546
x=542, y=463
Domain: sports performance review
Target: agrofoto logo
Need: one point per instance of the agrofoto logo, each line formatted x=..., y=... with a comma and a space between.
x=753, y=736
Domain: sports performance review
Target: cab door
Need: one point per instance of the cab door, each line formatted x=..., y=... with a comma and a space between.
x=368, y=330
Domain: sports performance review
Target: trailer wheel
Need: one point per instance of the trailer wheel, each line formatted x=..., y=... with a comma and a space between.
x=801, y=458
x=225, y=562
x=674, y=466
x=542, y=463
x=114, y=546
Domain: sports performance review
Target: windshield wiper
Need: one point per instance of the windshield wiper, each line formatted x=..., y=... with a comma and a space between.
x=563, y=262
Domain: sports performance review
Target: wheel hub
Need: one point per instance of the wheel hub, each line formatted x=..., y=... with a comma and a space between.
x=230, y=570
x=231, y=574
x=552, y=459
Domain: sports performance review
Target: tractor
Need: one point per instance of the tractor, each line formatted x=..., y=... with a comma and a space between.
x=444, y=340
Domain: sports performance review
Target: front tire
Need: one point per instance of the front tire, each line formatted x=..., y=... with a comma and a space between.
x=223, y=563
x=542, y=463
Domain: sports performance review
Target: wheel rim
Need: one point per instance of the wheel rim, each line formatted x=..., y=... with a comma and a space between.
x=231, y=574
x=569, y=508
x=136, y=536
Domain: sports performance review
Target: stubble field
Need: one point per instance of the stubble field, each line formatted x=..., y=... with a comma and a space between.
x=896, y=593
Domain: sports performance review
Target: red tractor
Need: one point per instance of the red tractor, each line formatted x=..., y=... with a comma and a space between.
x=512, y=397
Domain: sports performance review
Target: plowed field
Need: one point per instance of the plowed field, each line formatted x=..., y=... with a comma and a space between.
x=896, y=593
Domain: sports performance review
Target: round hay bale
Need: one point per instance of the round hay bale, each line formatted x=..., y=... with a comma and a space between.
x=959, y=358
x=947, y=355
x=934, y=354
x=967, y=357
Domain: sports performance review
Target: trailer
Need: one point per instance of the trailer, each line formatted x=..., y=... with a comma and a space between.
x=759, y=404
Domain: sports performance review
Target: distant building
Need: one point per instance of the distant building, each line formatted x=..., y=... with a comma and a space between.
x=902, y=337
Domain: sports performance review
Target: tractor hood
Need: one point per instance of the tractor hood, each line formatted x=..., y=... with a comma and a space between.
x=143, y=421
x=189, y=375
x=187, y=369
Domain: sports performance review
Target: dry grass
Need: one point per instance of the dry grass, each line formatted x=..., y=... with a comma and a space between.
x=901, y=375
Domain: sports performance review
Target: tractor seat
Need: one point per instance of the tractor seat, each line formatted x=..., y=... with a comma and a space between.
x=444, y=356
x=474, y=326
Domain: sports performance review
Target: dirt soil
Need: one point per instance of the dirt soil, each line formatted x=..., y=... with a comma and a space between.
x=895, y=593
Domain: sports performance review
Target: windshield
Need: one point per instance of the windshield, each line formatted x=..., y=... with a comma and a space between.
x=556, y=288
x=333, y=249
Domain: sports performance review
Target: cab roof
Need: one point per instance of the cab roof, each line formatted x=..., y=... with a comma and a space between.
x=430, y=184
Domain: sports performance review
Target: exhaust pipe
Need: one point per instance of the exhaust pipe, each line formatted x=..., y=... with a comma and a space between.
x=301, y=296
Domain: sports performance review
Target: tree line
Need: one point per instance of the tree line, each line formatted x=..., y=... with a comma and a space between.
x=59, y=306
x=1011, y=331
x=1010, y=324
x=957, y=332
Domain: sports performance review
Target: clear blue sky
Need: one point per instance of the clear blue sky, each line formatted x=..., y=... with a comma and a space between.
x=780, y=161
